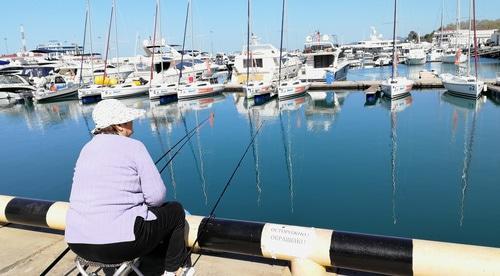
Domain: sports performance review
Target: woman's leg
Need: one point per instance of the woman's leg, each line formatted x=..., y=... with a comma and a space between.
x=171, y=217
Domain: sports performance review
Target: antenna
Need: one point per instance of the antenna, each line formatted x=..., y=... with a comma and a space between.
x=23, y=39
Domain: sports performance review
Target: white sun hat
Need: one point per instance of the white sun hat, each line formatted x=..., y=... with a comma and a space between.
x=113, y=112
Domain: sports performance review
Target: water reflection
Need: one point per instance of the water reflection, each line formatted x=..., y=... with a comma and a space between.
x=395, y=106
x=464, y=108
x=322, y=108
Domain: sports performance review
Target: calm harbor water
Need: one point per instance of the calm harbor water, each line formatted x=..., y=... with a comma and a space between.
x=425, y=166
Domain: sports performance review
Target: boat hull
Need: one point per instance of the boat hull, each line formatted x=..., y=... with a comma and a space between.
x=450, y=58
x=415, y=61
x=396, y=89
x=45, y=95
x=290, y=91
x=124, y=92
x=190, y=92
x=464, y=89
x=158, y=91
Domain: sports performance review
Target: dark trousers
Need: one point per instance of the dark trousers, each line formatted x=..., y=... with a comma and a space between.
x=168, y=228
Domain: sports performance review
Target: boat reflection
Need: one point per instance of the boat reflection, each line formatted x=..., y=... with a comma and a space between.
x=395, y=106
x=464, y=108
x=265, y=107
x=321, y=110
x=199, y=103
x=287, y=149
x=292, y=103
x=164, y=115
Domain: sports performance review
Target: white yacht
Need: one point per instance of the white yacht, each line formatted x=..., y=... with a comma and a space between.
x=292, y=88
x=415, y=56
x=130, y=88
x=263, y=64
x=54, y=88
x=464, y=86
x=199, y=89
x=322, y=58
x=435, y=55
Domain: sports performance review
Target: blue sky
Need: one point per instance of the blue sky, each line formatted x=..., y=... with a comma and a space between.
x=222, y=23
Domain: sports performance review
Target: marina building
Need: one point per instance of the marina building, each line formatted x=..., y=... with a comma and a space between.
x=451, y=37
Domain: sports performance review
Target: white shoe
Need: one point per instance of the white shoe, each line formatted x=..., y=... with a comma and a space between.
x=188, y=271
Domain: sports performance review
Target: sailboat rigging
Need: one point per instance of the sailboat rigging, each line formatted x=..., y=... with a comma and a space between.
x=396, y=87
x=466, y=86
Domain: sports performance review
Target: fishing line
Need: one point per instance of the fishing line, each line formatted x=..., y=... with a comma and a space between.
x=182, y=138
x=211, y=215
x=176, y=152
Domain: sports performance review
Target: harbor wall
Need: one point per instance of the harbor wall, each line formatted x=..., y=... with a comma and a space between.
x=309, y=250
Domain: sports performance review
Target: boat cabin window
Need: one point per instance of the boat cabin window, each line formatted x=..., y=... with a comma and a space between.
x=59, y=80
x=323, y=61
x=254, y=63
x=9, y=79
x=162, y=66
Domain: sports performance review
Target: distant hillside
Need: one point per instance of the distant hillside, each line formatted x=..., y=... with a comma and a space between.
x=480, y=25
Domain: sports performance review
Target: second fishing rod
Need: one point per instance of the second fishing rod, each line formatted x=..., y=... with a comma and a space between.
x=184, y=138
x=211, y=215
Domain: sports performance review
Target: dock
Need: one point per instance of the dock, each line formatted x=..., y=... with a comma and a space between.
x=426, y=82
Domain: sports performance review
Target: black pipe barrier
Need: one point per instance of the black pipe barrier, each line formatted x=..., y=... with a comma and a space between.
x=322, y=247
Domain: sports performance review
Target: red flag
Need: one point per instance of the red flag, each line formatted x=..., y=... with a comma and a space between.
x=457, y=56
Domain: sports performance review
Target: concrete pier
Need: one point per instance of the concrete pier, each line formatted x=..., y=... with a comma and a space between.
x=29, y=250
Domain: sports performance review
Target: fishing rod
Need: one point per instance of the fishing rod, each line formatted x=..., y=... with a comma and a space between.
x=212, y=212
x=189, y=133
x=177, y=151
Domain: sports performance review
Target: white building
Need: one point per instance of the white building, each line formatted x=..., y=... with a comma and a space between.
x=451, y=38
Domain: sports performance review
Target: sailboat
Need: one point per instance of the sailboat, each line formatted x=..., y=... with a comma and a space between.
x=454, y=55
x=198, y=88
x=261, y=60
x=131, y=87
x=292, y=87
x=395, y=86
x=164, y=75
x=468, y=86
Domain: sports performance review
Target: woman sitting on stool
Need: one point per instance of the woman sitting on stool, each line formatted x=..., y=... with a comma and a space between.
x=117, y=205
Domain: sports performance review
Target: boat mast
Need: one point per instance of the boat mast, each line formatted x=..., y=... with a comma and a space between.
x=468, y=39
x=90, y=37
x=154, y=44
x=183, y=43
x=475, y=36
x=458, y=24
x=394, y=57
x=192, y=41
x=116, y=40
x=248, y=40
x=281, y=40
x=107, y=41
x=83, y=49
x=441, y=33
